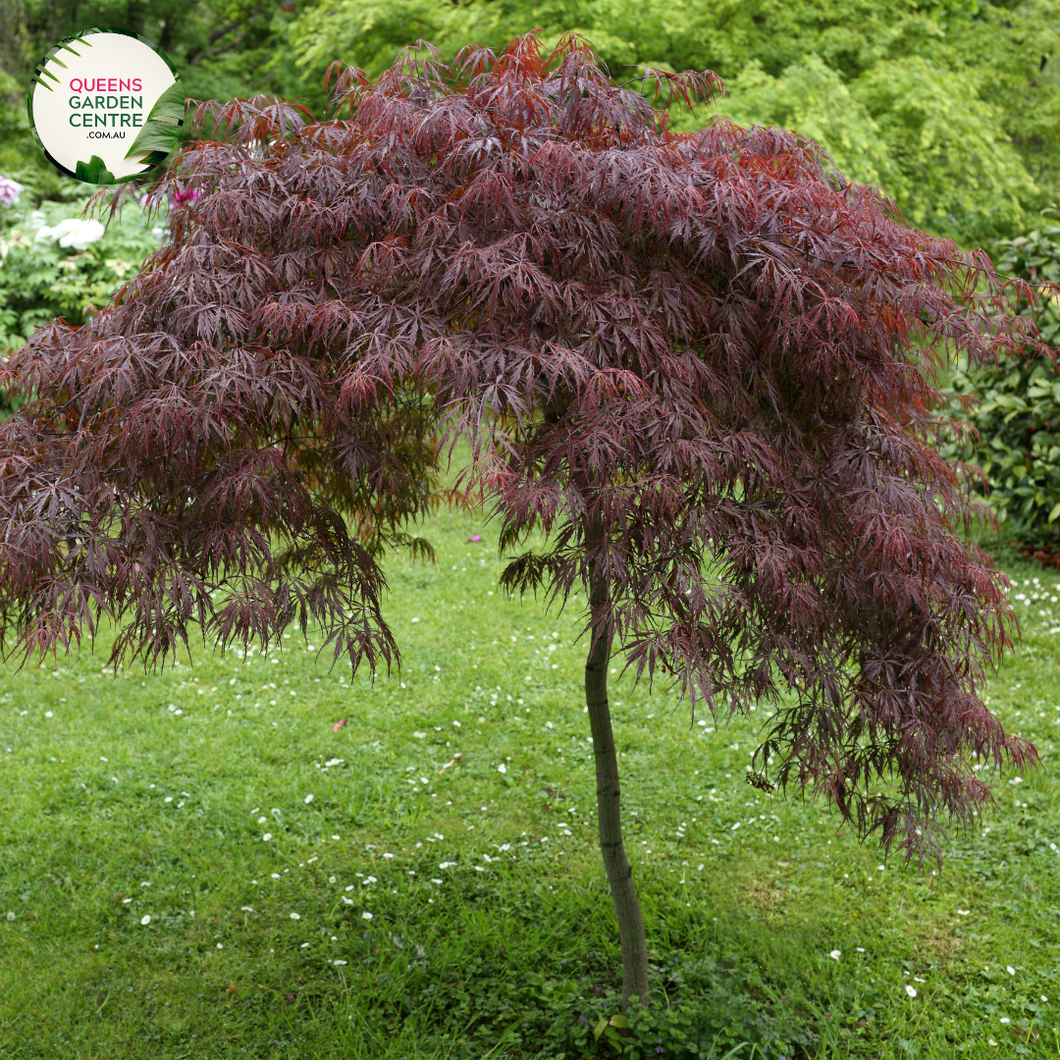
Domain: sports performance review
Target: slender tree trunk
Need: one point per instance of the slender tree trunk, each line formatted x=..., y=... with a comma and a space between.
x=608, y=811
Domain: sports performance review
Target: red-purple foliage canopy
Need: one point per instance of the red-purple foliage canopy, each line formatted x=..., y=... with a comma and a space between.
x=703, y=364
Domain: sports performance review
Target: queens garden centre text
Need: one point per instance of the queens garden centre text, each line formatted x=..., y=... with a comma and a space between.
x=113, y=111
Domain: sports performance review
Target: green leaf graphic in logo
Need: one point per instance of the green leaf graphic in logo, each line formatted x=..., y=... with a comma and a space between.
x=94, y=171
x=161, y=132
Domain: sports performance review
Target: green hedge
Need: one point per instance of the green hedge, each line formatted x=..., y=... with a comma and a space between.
x=1017, y=414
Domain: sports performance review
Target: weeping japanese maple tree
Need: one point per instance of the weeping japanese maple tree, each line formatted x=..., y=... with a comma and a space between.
x=702, y=365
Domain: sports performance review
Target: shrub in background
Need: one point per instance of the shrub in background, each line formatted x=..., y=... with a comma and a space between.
x=951, y=105
x=1017, y=411
x=20, y=157
x=55, y=263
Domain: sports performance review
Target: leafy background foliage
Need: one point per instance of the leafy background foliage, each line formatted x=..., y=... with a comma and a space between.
x=918, y=130
x=40, y=279
x=20, y=158
x=952, y=106
x=222, y=48
x=1016, y=411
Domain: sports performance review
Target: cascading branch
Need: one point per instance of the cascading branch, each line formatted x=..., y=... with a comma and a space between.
x=703, y=365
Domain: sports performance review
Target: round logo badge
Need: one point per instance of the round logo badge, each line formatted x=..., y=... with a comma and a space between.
x=106, y=106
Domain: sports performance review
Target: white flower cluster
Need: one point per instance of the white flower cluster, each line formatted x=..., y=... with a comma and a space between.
x=76, y=232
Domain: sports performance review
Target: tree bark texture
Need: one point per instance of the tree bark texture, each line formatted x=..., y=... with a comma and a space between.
x=608, y=810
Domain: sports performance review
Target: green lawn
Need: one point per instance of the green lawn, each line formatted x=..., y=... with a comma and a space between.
x=197, y=863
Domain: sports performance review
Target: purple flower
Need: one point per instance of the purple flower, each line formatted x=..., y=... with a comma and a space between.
x=10, y=190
